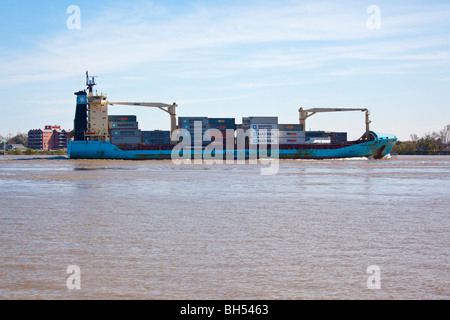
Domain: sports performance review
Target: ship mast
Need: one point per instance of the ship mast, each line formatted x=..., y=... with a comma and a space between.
x=90, y=82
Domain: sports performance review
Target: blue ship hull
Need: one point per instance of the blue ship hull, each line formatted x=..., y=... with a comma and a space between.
x=378, y=148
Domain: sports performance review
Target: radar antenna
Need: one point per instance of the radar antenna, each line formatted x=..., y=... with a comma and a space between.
x=90, y=82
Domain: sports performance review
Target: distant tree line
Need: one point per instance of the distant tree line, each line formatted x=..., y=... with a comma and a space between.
x=19, y=138
x=437, y=142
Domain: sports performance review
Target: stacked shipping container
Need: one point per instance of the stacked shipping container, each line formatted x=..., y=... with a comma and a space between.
x=223, y=124
x=189, y=124
x=290, y=134
x=338, y=137
x=123, y=129
x=265, y=129
x=317, y=137
x=156, y=137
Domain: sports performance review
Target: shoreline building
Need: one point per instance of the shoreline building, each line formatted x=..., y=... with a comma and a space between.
x=51, y=138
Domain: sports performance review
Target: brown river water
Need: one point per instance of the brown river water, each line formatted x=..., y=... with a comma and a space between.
x=157, y=230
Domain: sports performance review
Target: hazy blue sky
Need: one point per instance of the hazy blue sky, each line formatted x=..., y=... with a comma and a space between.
x=230, y=59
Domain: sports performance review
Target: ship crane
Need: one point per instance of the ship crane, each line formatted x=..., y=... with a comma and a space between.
x=171, y=109
x=304, y=114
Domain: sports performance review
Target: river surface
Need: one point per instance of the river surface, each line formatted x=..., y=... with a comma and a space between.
x=158, y=230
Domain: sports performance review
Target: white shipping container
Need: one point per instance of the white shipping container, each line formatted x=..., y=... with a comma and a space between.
x=260, y=140
x=265, y=133
x=291, y=134
x=319, y=140
x=292, y=140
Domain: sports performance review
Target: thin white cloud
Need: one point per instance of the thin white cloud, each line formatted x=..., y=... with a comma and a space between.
x=222, y=40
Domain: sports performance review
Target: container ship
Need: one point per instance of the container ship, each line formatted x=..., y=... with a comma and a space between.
x=99, y=135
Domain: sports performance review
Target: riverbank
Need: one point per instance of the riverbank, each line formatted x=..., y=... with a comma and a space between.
x=31, y=152
x=423, y=153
